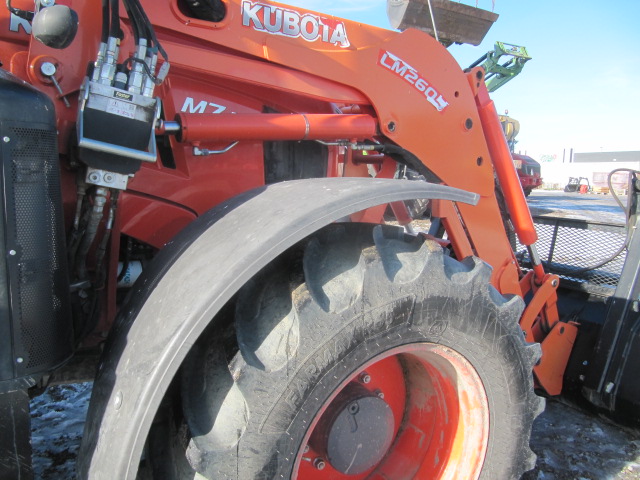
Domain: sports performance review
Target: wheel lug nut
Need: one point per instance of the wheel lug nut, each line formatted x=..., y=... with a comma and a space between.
x=365, y=377
x=319, y=463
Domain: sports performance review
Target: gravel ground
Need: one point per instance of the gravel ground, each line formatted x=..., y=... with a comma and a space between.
x=596, y=208
x=570, y=443
x=57, y=421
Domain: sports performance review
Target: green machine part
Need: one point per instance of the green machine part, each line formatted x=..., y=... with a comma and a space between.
x=498, y=74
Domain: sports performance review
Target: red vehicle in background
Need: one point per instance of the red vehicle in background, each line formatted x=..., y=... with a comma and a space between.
x=528, y=169
x=528, y=172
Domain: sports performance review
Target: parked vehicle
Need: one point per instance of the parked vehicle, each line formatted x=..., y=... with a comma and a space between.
x=528, y=172
x=577, y=184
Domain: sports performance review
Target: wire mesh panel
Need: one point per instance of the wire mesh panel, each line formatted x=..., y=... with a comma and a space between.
x=586, y=255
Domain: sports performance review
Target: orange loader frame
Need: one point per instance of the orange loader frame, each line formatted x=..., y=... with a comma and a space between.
x=387, y=89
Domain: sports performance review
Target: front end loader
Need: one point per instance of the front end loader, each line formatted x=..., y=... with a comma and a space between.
x=194, y=198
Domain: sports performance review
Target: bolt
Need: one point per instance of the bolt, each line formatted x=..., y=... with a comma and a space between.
x=468, y=124
x=609, y=387
x=108, y=178
x=12, y=253
x=581, y=377
x=47, y=3
x=94, y=177
x=554, y=283
x=585, y=363
x=48, y=69
x=391, y=126
x=354, y=408
x=319, y=463
x=379, y=393
x=19, y=360
x=117, y=402
x=365, y=377
x=6, y=139
x=306, y=449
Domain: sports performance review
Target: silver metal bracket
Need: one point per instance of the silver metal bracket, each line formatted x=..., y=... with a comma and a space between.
x=104, y=178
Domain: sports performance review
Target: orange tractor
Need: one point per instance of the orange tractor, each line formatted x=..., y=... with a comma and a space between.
x=194, y=197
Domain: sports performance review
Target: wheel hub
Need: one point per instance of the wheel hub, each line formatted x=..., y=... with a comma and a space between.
x=360, y=434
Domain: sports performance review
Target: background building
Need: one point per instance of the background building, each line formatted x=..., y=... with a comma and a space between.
x=595, y=166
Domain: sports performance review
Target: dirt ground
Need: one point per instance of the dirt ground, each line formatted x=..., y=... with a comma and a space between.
x=571, y=444
x=590, y=206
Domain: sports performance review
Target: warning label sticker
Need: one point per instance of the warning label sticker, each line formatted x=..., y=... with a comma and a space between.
x=118, y=107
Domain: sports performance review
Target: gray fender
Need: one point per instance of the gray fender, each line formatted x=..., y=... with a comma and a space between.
x=188, y=283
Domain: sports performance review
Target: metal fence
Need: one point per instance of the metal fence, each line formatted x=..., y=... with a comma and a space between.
x=574, y=250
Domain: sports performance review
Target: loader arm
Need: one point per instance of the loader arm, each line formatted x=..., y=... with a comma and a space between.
x=429, y=112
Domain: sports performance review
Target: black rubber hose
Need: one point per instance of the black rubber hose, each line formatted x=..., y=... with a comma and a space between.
x=138, y=20
x=114, y=30
x=105, y=21
x=144, y=20
x=134, y=24
x=24, y=14
x=405, y=157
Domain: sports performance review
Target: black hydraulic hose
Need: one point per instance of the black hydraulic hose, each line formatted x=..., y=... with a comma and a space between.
x=135, y=4
x=114, y=30
x=137, y=21
x=105, y=21
x=24, y=14
x=405, y=157
x=134, y=24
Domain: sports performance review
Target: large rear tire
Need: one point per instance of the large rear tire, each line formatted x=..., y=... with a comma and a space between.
x=363, y=353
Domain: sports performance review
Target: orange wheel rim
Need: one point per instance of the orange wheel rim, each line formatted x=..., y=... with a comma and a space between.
x=415, y=411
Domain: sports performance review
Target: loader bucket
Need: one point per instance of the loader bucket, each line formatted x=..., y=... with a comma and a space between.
x=454, y=22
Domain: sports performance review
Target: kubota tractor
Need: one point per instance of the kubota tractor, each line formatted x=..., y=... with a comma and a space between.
x=194, y=193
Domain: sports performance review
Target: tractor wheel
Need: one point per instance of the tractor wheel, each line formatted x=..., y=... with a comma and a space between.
x=364, y=353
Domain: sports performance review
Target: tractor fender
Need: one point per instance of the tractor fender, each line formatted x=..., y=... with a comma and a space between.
x=190, y=281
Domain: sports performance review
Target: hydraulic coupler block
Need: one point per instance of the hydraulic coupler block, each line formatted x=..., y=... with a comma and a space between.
x=116, y=128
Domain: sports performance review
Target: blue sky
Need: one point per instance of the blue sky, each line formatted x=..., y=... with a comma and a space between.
x=582, y=88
